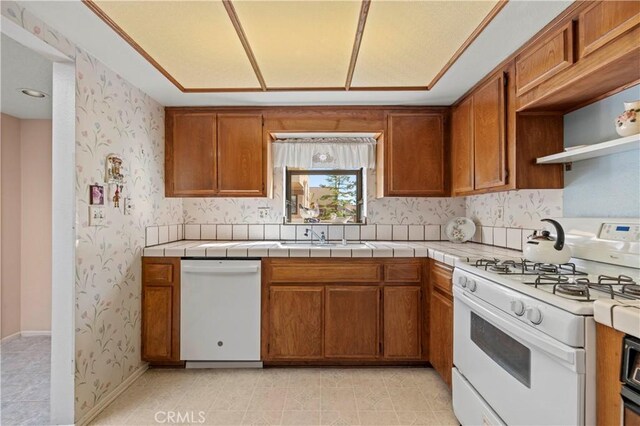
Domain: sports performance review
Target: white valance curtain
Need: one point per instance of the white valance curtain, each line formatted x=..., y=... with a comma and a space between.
x=325, y=153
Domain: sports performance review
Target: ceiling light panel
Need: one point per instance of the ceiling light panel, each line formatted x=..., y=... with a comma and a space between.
x=301, y=43
x=194, y=41
x=406, y=43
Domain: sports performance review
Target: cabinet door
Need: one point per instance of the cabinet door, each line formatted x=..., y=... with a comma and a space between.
x=544, y=59
x=462, y=147
x=605, y=21
x=489, y=134
x=161, y=309
x=415, y=164
x=402, y=322
x=241, y=170
x=441, y=334
x=157, y=312
x=295, y=322
x=190, y=154
x=352, y=322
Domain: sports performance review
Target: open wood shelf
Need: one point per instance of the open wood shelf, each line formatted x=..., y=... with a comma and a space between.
x=615, y=146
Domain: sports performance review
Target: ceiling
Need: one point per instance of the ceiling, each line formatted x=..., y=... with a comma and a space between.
x=287, y=68
x=23, y=68
x=224, y=45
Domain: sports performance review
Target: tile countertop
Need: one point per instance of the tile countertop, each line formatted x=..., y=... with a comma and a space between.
x=622, y=315
x=446, y=252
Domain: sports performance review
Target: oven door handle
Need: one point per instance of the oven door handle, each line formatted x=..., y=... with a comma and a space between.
x=517, y=331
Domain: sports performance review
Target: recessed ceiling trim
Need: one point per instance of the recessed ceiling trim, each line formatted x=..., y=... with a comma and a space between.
x=107, y=20
x=364, y=11
x=231, y=11
x=487, y=19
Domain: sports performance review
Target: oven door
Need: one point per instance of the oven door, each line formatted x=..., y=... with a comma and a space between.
x=525, y=376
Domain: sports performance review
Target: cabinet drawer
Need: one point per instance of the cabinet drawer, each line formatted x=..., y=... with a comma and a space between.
x=605, y=21
x=158, y=273
x=441, y=275
x=329, y=272
x=544, y=59
x=402, y=272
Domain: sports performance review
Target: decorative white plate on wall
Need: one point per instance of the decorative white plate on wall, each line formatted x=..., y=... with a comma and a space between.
x=460, y=229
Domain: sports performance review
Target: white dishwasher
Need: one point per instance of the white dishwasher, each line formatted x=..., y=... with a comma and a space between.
x=220, y=311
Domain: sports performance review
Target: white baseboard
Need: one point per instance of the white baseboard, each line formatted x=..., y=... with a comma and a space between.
x=97, y=409
x=35, y=333
x=10, y=337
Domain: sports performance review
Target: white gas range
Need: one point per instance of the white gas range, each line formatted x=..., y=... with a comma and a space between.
x=524, y=334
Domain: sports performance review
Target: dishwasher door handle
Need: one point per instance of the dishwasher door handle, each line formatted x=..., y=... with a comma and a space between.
x=220, y=269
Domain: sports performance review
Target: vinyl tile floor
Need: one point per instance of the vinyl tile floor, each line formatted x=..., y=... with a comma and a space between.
x=284, y=396
x=25, y=371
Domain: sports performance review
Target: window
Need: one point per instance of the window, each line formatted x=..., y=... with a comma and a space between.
x=324, y=196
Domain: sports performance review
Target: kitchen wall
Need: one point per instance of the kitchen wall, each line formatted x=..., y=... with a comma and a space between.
x=113, y=117
x=11, y=218
x=26, y=225
x=606, y=186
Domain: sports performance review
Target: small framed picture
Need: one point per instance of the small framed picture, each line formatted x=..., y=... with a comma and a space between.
x=96, y=195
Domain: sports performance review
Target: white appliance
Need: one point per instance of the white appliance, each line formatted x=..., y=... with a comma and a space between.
x=524, y=334
x=220, y=311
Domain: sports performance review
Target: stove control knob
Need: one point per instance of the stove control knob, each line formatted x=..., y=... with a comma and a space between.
x=472, y=285
x=462, y=281
x=534, y=315
x=517, y=307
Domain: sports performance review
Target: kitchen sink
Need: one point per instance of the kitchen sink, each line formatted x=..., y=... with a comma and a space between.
x=307, y=245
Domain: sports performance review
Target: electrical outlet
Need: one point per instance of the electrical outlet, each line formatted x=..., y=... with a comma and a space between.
x=498, y=212
x=263, y=212
x=97, y=216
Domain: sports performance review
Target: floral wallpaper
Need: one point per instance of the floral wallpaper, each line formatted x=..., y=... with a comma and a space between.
x=113, y=117
x=36, y=26
x=520, y=209
x=392, y=211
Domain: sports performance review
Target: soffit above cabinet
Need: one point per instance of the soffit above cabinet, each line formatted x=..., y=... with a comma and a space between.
x=224, y=45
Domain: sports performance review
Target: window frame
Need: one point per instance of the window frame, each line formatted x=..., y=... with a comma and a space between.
x=297, y=172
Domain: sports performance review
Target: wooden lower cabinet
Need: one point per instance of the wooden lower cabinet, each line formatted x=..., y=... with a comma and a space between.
x=608, y=385
x=309, y=320
x=161, y=310
x=295, y=322
x=352, y=322
x=402, y=322
x=440, y=321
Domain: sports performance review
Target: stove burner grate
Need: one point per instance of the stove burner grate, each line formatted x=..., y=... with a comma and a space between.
x=631, y=289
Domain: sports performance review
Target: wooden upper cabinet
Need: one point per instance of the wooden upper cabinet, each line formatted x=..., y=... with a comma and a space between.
x=352, y=322
x=545, y=59
x=415, y=155
x=295, y=322
x=212, y=154
x=190, y=154
x=604, y=21
x=462, y=147
x=489, y=130
x=402, y=322
x=241, y=165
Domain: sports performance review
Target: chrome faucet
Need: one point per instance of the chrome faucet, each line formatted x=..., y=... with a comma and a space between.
x=321, y=238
